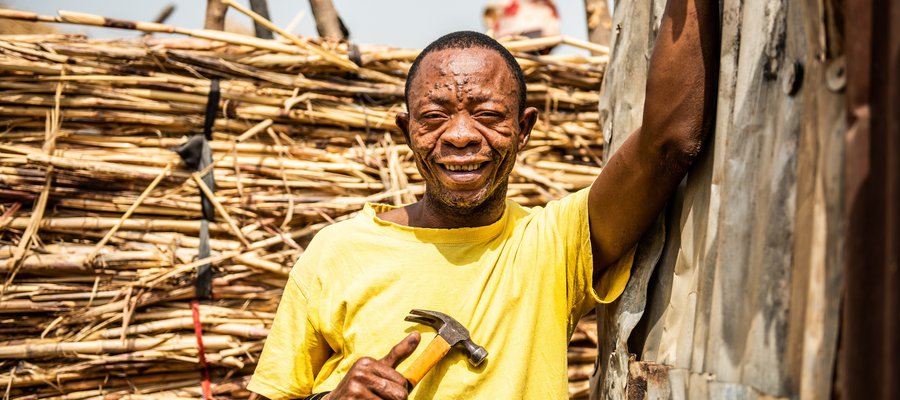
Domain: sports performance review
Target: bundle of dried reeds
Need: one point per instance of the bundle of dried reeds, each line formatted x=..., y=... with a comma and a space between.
x=582, y=353
x=99, y=231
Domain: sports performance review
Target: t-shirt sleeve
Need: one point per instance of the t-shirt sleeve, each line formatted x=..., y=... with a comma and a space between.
x=569, y=215
x=295, y=350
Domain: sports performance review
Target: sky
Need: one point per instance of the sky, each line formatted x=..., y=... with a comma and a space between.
x=398, y=23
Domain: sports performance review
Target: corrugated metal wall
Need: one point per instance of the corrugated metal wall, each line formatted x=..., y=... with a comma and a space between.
x=737, y=292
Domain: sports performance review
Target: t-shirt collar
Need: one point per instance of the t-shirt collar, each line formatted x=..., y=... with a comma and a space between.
x=435, y=235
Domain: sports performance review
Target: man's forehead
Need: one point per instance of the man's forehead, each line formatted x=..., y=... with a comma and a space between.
x=476, y=65
x=465, y=65
x=466, y=59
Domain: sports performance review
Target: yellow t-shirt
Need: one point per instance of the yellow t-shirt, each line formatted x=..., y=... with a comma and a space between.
x=519, y=285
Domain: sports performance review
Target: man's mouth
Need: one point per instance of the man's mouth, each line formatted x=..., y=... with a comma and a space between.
x=462, y=167
x=461, y=174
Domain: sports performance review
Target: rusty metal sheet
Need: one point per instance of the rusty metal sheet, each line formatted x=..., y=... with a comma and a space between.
x=869, y=361
x=647, y=381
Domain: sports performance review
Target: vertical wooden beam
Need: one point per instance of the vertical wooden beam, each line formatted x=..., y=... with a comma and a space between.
x=261, y=7
x=816, y=276
x=328, y=22
x=599, y=21
x=215, y=15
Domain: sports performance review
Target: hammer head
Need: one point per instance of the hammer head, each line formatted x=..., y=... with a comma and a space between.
x=452, y=331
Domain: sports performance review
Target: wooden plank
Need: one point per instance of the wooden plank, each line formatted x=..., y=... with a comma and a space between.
x=818, y=275
x=748, y=316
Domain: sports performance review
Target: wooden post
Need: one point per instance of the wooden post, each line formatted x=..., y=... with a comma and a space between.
x=599, y=22
x=215, y=15
x=328, y=22
x=261, y=7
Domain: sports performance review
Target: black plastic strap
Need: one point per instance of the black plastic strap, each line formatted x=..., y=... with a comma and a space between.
x=203, y=282
x=212, y=108
x=197, y=156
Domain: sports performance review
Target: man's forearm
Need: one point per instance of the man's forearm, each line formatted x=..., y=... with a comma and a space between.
x=641, y=176
x=682, y=81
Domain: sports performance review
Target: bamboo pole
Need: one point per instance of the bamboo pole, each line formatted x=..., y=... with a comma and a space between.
x=52, y=127
x=328, y=22
x=164, y=13
x=300, y=42
x=340, y=62
x=134, y=206
x=261, y=7
x=215, y=15
x=162, y=342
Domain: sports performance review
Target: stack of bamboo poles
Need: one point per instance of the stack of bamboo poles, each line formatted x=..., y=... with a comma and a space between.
x=99, y=230
x=582, y=353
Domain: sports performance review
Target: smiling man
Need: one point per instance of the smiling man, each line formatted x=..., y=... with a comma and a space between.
x=519, y=279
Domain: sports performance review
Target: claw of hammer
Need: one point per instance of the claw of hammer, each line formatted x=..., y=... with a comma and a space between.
x=450, y=333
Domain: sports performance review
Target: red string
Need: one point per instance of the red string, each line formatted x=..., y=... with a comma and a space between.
x=201, y=350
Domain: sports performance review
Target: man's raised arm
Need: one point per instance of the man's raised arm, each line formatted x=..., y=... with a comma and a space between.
x=678, y=111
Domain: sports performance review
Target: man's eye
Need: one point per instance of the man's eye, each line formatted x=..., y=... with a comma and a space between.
x=489, y=114
x=432, y=116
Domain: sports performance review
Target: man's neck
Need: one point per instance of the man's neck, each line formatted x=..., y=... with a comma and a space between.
x=429, y=213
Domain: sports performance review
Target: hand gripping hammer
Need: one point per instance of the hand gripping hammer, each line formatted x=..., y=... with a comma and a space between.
x=450, y=333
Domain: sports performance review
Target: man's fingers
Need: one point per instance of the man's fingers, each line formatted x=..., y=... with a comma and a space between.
x=393, y=388
x=386, y=372
x=383, y=381
x=402, y=350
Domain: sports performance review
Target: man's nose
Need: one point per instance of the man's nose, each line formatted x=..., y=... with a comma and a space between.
x=461, y=134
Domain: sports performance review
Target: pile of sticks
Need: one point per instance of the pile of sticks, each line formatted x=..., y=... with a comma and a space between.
x=582, y=353
x=99, y=231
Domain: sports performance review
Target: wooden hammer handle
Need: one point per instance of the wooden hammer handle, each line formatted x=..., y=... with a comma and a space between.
x=435, y=351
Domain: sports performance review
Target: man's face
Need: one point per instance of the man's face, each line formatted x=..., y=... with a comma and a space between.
x=464, y=126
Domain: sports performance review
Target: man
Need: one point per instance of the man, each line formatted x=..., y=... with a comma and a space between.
x=518, y=279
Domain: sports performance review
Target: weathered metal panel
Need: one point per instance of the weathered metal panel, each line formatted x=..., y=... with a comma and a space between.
x=745, y=299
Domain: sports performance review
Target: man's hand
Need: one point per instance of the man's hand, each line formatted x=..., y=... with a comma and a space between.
x=369, y=378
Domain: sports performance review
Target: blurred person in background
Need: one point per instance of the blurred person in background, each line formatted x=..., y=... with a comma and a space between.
x=528, y=18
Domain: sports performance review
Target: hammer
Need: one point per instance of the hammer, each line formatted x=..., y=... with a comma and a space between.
x=450, y=333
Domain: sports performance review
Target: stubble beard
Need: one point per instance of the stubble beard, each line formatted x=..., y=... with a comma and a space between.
x=444, y=203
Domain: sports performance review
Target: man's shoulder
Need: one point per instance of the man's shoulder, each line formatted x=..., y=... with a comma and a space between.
x=344, y=230
x=330, y=242
x=570, y=202
x=335, y=230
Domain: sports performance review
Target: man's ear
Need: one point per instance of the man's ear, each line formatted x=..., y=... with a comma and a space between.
x=526, y=124
x=402, y=121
